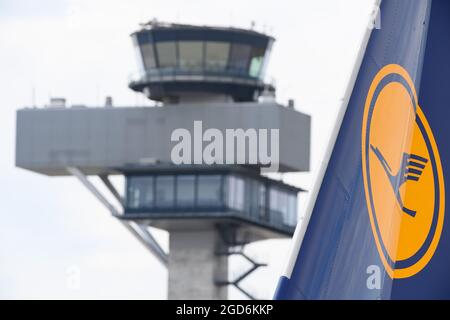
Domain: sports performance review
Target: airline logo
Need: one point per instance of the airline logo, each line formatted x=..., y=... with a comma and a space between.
x=403, y=178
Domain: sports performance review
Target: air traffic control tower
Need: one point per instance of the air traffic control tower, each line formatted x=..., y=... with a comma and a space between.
x=204, y=79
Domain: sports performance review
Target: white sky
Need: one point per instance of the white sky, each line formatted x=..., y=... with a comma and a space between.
x=81, y=50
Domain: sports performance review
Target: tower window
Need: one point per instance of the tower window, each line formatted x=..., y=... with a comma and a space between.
x=165, y=191
x=217, y=54
x=191, y=55
x=167, y=54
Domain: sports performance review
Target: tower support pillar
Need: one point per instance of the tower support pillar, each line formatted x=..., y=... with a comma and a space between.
x=194, y=267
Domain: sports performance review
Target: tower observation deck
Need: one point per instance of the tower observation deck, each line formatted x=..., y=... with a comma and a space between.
x=177, y=61
x=208, y=81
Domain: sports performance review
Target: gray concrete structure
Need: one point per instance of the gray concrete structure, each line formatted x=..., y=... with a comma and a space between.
x=193, y=256
x=107, y=140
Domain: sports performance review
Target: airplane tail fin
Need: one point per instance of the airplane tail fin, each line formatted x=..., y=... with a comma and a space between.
x=376, y=226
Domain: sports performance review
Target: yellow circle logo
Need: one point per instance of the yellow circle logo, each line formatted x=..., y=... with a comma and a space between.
x=403, y=177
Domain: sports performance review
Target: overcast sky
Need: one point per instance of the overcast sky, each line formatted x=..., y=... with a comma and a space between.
x=81, y=50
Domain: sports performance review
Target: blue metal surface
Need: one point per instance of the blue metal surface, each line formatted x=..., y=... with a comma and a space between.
x=434, y=98
x=339, y=244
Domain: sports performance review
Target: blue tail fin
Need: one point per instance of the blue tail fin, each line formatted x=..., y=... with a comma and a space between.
x=378, y=228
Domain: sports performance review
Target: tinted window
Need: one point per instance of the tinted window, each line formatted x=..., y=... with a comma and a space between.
x=262, y=201
x=256, y=62
x=138, y=53
x=274, y=200
x=149, y=56
x=236, y=193
x=276, y=214
x=165, y=191
x=240, y=56
x=167, y=54
x=140, y=192
x=186, y=191
x=292, y=210
x=191, y=54
x=217, y=54
x=209, y=190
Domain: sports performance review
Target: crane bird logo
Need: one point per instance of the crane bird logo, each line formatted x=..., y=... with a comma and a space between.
x=412, y=167
x=402, y=172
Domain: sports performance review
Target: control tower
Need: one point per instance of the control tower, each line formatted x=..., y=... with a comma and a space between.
x=193, y=164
